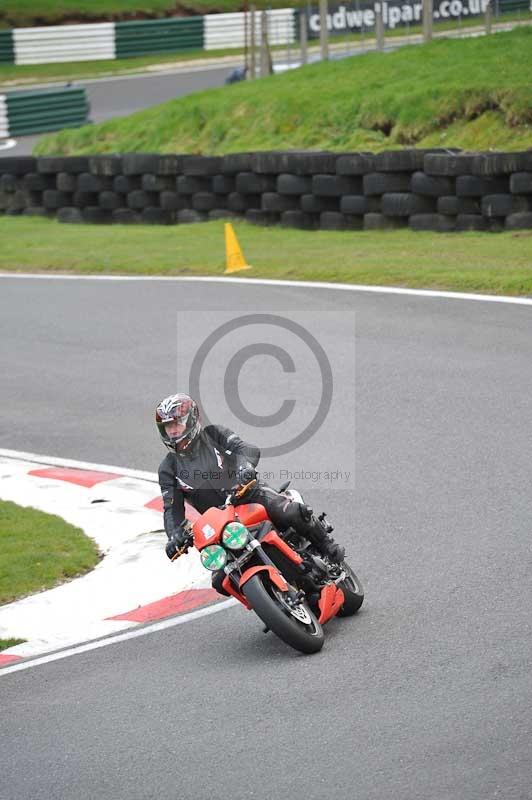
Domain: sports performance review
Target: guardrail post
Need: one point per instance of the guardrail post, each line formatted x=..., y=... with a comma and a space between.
x=252, y=53
x=379, y=26
x=246, y=42
x=428, y=11
x=303, y=36
x=489, y=17
x=324, y=31
x=266, y=67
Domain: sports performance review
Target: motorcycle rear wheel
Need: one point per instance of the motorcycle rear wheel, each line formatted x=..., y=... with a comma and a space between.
x=267, y=603
x=353, y=591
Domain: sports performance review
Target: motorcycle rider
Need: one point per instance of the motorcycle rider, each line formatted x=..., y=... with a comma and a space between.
x=204, y=464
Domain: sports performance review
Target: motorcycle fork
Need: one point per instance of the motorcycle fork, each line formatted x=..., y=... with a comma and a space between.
x=273, y=539
x=232, y=582
x=230, y=588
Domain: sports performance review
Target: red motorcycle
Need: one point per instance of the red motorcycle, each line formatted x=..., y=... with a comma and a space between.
x=282, y=577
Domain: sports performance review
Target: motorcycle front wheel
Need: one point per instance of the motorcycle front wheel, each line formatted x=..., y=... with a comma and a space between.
x=296, y=626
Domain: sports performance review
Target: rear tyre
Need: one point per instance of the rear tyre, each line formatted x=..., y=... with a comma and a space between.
x=353, y=591
x=297, y=627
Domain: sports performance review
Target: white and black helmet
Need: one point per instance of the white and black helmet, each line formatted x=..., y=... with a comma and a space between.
x=183, y=409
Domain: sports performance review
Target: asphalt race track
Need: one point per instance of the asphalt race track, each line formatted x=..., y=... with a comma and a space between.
x=425, y=695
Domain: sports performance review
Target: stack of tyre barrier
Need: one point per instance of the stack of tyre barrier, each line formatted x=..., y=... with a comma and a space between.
x=425, y=190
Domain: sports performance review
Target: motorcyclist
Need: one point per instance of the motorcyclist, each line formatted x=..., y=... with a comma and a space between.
x=205, y=463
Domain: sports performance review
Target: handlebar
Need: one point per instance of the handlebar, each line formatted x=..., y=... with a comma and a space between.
x=235, y=494
x=238, y=491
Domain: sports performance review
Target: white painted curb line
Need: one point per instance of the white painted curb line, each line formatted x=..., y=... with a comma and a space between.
x=134, y=571
x=344, y=287
x=86, y=647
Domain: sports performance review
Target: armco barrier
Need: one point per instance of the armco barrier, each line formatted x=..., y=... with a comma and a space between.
x=109, y=40
x=7, y=51
x=23, y=113
x=4, y=124
x=228, y=30
x=433, y=190
x=64, y=43
x=158, y=36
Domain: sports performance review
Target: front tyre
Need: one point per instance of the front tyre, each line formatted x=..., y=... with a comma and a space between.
x=297, y=627
x=353, y=591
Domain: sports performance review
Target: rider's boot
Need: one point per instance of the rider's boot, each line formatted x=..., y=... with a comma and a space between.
x=286, y=512
x=319, y=534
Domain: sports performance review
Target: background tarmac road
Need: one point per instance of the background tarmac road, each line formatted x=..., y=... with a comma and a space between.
x=423, y=696
x=118, y=97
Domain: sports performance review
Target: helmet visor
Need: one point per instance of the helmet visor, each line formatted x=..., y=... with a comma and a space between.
x=176, y=428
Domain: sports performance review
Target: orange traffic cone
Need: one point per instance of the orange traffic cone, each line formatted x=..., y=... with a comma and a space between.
x=234, y=257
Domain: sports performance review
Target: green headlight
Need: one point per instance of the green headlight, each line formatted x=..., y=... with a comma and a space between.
x=213, y=557
x=235, y=536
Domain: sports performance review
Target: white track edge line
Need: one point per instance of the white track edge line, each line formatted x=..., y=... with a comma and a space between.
x=120, y=637
x=346, y=287
x=52, y=461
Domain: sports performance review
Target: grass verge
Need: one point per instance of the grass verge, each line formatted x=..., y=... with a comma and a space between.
x=27, y=13
x=5, y=643
x=474, y=89
x=38, y=551
x=474, y=262
x=23, y=13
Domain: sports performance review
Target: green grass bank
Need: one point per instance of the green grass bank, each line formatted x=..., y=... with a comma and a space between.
x=29, y=13
x=39, y=551
x=473, y=93
x=471, y=262
x=35, y=13
x=5, y=643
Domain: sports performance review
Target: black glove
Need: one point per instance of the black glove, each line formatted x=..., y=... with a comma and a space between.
x=244, y=474
x=176, y=544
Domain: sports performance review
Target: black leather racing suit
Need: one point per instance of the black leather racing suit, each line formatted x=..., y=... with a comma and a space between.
x=206, y=471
